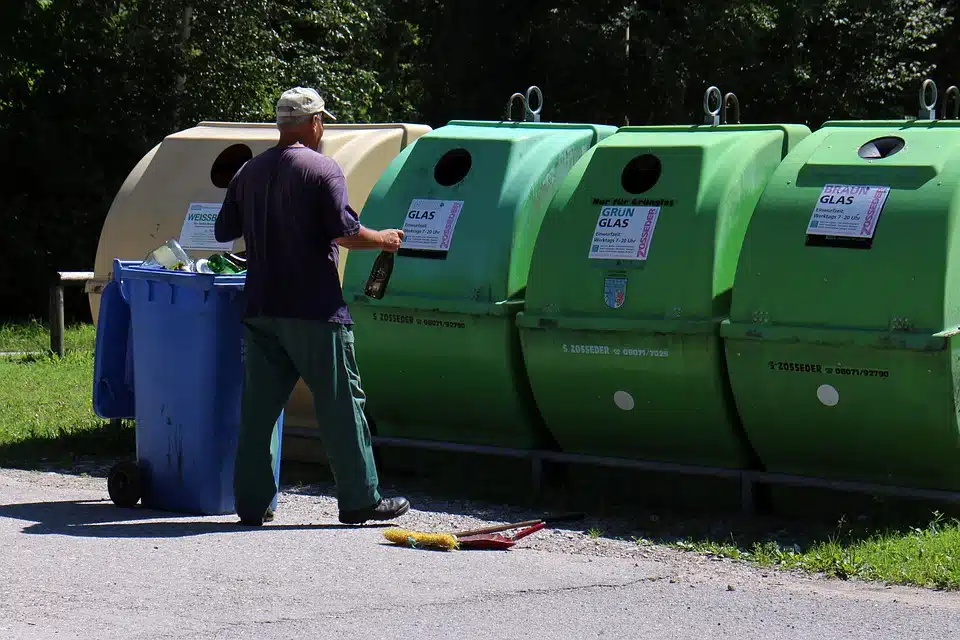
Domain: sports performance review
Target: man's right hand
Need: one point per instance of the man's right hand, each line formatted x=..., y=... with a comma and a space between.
x=390, y=240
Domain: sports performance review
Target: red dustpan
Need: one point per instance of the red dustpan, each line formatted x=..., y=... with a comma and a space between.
x=483, y=538
x=497, y=540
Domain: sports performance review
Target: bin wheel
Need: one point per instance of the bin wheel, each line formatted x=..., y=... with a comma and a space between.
x=124, y=484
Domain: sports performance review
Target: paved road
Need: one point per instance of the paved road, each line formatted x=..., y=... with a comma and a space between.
x=73, y=566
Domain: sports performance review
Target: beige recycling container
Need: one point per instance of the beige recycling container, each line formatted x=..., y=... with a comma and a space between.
x=176, y=190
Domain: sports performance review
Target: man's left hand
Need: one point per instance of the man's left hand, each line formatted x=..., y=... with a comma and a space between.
x=390, y=240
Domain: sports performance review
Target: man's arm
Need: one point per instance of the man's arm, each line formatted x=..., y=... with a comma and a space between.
x=343, y=223
x=229, y=224
x=386, y=240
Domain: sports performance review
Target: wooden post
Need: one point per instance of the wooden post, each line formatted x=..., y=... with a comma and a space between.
x=57, y=328
x=56, y=320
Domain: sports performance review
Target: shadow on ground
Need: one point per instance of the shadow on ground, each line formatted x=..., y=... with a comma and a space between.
x=101, y=519
x=619, y=504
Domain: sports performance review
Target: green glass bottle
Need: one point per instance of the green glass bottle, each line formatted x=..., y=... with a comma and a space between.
x=222, y=265
x=379, y=276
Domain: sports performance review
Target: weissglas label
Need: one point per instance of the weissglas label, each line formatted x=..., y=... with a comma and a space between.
x=623, y=233
x=850, y=211
x=429, y=224
x=197, y=231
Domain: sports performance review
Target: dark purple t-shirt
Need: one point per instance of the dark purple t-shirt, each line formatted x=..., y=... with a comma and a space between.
x=290, y=205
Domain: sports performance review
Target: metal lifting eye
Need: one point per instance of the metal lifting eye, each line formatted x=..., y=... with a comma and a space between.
x=928, y=110
x=529, y=115
x=509, y=113
x=952, y=92
x=728, y=100
x=712, y=116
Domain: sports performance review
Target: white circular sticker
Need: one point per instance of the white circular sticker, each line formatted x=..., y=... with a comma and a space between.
x=828, y=395
x=623, y=400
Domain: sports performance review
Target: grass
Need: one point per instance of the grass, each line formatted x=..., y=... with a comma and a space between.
x=926, y=556
x=34, y=336
x=46, y=420
x=45, y=402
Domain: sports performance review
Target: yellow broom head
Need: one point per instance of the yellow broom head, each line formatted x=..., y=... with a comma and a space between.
x=419, y=539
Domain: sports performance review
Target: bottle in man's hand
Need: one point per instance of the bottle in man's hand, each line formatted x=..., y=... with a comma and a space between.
x=379, y=275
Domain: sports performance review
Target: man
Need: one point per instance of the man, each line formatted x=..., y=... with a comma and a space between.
x=290, y=205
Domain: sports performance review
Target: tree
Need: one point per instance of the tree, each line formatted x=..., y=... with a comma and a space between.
x=88, y=86
x=845, y=59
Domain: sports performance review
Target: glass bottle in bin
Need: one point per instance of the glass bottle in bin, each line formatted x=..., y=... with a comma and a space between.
x=379, y=275
x=223, y=265
x=170, y=255
x=239, y=258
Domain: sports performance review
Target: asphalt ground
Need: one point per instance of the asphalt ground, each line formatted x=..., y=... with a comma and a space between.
x=74, y=566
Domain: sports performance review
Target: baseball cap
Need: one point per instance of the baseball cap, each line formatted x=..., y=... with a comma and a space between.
x=301, y=101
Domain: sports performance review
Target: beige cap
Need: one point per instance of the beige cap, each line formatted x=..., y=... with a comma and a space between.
x=300, y=101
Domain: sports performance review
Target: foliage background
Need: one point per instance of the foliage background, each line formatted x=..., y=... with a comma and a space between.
x=88, y=86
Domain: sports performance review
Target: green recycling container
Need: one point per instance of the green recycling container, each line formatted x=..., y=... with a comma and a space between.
x=439, y=353
x=841, y=342
x=629, y=281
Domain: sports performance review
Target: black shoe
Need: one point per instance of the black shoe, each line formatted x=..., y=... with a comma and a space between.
x=386, y=509
x=267, y=517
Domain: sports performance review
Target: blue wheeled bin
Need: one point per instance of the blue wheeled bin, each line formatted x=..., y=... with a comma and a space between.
x=169, y=353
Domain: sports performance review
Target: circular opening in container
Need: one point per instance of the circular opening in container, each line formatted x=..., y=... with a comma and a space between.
x=228, y=163
x=881, y=148
x=453, y=167
x=641, y=174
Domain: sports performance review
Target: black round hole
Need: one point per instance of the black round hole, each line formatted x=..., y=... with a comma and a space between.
x=453, y=167
x=641, y=173
x=228, y=163
x=881, y=148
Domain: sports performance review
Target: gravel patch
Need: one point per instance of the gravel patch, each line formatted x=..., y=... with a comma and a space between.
x=600, y=539
x=76, y=567
x=314, y=503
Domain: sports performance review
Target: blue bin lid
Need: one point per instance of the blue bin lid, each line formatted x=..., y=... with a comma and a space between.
x=131, y=270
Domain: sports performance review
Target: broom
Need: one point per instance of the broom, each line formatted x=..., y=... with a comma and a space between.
x=450, y=541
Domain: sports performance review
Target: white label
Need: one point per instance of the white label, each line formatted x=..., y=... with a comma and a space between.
x=197, y=231
x=851, y=211
x=623, y=233
x=429, y=224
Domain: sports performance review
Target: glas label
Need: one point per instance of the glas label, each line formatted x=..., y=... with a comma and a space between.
x=623, y=233
x=850, y=211
x=429, y=224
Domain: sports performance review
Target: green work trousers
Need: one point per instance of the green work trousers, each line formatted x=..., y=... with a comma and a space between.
x=278, y=352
